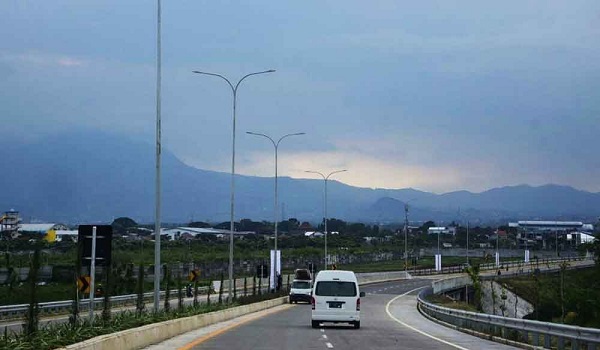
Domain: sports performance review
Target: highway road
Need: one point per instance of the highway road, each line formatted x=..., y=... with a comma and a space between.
x=389, y=320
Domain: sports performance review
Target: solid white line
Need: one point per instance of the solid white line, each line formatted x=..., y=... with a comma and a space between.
x=329, y=345
x=387, y=309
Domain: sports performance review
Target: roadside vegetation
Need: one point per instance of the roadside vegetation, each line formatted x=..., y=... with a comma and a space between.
x=34, y=336
x=570, y=296
x=371, y=247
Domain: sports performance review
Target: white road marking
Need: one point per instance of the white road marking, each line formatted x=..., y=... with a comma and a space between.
x=329, y=345
x=322, y=330
x=324, y=336
x=387, y=309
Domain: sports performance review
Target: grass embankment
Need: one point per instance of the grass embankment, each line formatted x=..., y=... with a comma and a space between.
x=448, y=302
x=580, y=296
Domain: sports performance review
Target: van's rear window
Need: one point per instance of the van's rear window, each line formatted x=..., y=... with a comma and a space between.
x=336, y=289
x=301, y=285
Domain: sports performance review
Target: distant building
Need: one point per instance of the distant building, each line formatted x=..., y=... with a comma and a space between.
x=188, y=232
x=62, y=235
x=41, y=228
x=313, y=234
x=442, y=230
x=549, y=234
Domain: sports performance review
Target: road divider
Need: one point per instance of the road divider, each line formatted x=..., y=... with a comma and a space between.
x=144, y=336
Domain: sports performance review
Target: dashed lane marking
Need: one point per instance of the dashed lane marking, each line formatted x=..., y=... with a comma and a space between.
x=324, y=336
x=228, y=328
x=329, y=345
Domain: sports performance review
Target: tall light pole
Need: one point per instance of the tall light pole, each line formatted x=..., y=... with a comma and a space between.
x=276, y=146
x=406, y=236
x=231, y=221
x=158, y=154
x=325, y=203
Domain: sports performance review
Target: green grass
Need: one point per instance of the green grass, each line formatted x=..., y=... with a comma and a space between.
x=445, y=301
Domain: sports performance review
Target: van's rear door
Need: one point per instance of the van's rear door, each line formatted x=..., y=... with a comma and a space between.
x=335, y=296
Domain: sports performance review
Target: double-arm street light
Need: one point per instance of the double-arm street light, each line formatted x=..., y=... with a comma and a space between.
x=325, y=203
x=276, y=146
x=234, y=89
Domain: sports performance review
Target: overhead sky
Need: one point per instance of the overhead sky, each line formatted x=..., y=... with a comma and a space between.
x=433, y=95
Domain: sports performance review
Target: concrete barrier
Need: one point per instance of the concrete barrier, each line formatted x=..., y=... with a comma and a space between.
x=451, y=283
x=375, y=277
x=141, y=337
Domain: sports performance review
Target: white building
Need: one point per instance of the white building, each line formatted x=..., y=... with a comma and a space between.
x=41, y=228
x=177, y=232
x=442, y=230
x=313, y=234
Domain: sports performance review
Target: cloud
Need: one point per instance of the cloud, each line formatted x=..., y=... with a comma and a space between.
x=27, y=60
x=69, y=62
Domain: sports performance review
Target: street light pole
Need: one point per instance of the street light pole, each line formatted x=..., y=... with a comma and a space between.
x=158, y=155
x=276, y=146
x=325, y=203
x=406, y=239
x=231, y=221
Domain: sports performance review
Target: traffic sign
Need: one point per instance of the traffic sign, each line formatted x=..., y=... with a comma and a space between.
x=103, y=244
x=193, y=276
x=83, y=283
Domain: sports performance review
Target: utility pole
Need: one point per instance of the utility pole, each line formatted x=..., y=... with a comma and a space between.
x=406, y=238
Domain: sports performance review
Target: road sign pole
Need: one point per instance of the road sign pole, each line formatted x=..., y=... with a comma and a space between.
x=93, y=275
x=77, y=296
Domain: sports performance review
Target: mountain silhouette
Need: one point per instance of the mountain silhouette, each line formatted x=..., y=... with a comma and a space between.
x=94, y=177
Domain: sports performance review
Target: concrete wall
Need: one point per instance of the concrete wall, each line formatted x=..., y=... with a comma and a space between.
x=364, y=278
x=144, y=336
x=451, y=283
x=506, y=304
x=44, y=274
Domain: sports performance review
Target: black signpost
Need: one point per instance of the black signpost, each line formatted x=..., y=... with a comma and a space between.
x=96, y=242
x=103, y=244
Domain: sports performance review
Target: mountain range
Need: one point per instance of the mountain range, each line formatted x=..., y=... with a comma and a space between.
x=93, y=177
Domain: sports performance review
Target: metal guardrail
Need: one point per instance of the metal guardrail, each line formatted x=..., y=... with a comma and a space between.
x=491, y=266
x=11, y=312
x=56, y=307
x=547, y=335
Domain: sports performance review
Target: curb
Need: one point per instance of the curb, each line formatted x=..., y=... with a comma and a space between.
x=141, y=337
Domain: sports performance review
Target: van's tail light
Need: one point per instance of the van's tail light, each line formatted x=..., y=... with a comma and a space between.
x=312, y=302
x=358, y=304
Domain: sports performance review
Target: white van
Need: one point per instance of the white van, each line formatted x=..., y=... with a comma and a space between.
x=300, y=291
x=336, y=298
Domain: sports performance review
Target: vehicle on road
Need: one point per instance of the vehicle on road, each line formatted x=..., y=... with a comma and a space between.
x=302, y=274
x=300, y=290
x=336, y=298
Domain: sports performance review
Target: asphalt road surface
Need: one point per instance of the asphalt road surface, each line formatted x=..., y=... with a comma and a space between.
x=389, y=320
